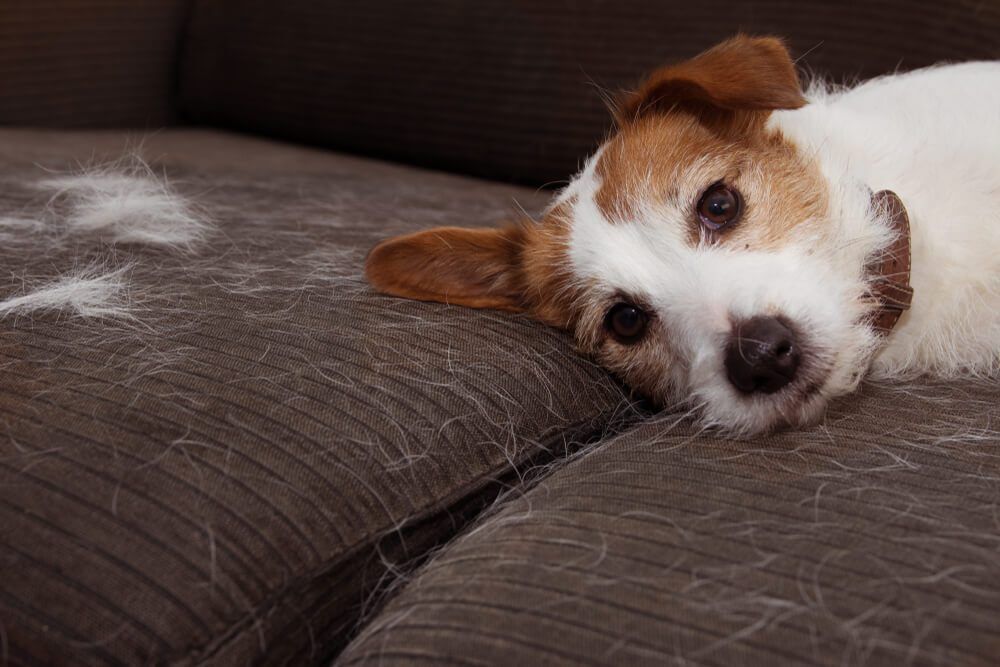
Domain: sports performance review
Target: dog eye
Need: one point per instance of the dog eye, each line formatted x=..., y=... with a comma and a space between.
x=719, y=206
x=626, y=323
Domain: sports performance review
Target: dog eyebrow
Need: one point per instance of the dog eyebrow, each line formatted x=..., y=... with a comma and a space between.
x=621, y=296
x=672, y=195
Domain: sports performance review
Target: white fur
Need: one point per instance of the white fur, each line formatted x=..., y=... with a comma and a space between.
x=93, y=291
x=127, y=202
x=933, y=137
x=13, y=230
x=124, y=202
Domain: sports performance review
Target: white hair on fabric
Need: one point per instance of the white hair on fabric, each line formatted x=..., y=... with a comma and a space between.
x=14, y=229
x=93, y=291
x=125, y=202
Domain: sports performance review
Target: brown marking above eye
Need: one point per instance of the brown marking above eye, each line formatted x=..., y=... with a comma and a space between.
x=642, y=163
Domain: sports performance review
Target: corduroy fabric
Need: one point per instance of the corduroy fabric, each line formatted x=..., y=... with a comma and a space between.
x=512, y=90
x=226, y=478
x=95, y=63
x=870, y=540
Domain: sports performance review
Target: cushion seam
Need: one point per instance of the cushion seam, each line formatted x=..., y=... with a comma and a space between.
x=578, y=431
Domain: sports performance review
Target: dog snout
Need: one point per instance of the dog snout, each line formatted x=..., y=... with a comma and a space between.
x=762, y=356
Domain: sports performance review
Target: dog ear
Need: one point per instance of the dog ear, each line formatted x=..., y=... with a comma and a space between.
x=479, y=268
x=740, y=74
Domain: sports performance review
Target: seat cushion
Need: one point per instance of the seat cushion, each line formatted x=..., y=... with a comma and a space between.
x=872, y=539
x=514, y=90
x=226, y=474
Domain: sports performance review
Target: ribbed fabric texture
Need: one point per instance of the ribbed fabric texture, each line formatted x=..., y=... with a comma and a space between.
x=98, y=63
x=872, y=539
x=227, y=478
x=513, y=90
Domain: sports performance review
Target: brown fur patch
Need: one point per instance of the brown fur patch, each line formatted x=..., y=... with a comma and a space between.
x=740, y=74
x=782, y=190
x=670, y=160
x=644, y=364
x=642, y=162
x=553, y=295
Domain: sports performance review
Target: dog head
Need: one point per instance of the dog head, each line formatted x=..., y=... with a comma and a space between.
x=700, y=255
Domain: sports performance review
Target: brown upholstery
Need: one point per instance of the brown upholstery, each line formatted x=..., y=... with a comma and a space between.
x=872, y=539
x=256, y=467
x=512, y=90
x=221, y=479
x=97, y=63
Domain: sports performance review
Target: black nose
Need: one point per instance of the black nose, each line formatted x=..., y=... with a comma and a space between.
x=762, y=356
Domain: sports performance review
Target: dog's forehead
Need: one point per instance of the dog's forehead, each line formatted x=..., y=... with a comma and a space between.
x=654, y=159
x=630, y=216
x=626, y=214
x=652, y=173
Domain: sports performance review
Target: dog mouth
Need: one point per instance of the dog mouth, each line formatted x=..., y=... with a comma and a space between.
x=801, y=404
x=797, y=405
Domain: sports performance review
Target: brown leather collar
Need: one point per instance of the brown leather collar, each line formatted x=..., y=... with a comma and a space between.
x=889, y=275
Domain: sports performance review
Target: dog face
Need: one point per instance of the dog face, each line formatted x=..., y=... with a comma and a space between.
x=700, y=255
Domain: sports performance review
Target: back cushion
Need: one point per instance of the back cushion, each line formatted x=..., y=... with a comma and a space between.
x=96, y=63
x=513, y=89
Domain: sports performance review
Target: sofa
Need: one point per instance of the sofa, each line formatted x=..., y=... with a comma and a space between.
x=265, y=462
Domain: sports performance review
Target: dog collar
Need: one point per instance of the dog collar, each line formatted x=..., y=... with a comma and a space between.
x=889, y=274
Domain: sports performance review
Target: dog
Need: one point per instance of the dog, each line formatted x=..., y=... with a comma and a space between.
x=751, y=250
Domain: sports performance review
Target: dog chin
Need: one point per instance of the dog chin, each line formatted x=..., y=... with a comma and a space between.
x=740, y=416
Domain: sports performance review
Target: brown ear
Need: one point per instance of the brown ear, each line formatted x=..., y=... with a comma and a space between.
x=469, y=267
x=740, y=74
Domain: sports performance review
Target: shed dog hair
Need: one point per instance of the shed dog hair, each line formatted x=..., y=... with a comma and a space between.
x=716, y=251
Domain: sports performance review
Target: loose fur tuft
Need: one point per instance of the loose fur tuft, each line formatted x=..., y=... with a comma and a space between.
x=91, y=292
x=122, y=202
x=127, y=202
x=13, y=229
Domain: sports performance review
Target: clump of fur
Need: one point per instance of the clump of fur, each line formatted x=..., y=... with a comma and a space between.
x=126, y=202
x=94, y=291
x=122, y=202
x=14, y=229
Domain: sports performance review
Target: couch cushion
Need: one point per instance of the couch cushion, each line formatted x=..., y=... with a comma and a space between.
x=872, y=539
x=228, y=475
x=97, y=63
x=512, y=90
